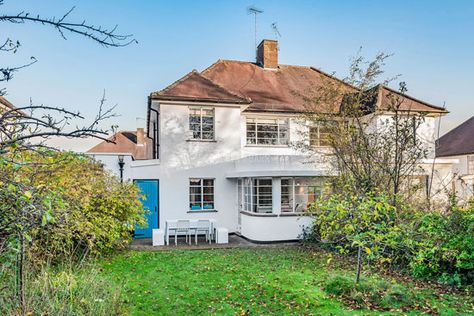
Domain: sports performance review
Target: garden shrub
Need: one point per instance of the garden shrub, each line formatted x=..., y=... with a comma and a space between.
x=346, y=222
x=444, y=246
x=98, y=213
x=428, y=244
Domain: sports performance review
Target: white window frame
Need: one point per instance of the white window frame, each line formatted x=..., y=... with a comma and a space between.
x=292, y=192
x=201, y=110
x=316, y=142
x=249, y=189
x=278, y=122
x=202, y=194
x=470, y=164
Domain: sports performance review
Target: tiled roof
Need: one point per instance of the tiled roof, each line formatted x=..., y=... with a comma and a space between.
x=285, y=89
x=6, y=103
x=458, y=141
x=194, y=86
x=123, y=142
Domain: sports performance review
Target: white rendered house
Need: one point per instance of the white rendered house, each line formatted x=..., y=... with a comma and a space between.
x=458, y=146
x=222, y=147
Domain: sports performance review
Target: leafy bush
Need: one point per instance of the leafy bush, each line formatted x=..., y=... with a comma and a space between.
x=433, y=244
x=97, y=213
x=347, y=222
x=444, y=246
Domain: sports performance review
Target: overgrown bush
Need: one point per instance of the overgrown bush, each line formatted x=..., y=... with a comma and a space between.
x=97, y=212
x=58, y=207
x=345, y=223
x=443, y=246
x=436, y=245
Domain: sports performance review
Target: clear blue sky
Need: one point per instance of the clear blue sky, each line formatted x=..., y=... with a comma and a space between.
x=432, y=42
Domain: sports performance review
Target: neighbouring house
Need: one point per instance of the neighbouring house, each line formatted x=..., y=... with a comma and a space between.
x=221, y=146
x=458, y=144
x=5, y=104
x=119, y=150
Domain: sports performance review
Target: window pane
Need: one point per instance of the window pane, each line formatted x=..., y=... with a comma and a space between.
x=195, y=206
x=195, y=198
x=208, y=197
x=208, y=182
x=194, y=181
x=195, y=190
x=208, y=190
x=208, y=135
x=193, y=119
x=208, y=206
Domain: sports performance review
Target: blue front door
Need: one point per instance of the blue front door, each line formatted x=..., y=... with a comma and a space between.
x=149, y=188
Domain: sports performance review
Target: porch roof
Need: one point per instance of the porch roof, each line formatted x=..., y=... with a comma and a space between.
x=276, y=173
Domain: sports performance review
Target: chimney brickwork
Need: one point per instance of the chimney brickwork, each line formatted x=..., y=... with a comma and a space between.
x=267, y=54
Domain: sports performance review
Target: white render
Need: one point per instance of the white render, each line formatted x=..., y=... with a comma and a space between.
x=228, y=158
x=463, y=175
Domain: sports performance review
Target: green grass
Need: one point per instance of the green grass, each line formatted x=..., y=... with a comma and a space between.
x=261, y=281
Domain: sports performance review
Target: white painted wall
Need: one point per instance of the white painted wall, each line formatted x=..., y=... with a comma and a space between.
x=225, y=159
x=464, y=182
x=178, y=151
x=273, y=228
x=426, y=132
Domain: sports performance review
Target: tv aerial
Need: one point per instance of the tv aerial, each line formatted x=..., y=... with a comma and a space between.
x=255, y=11
x=275, y=30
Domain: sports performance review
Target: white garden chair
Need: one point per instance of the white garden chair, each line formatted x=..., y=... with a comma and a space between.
x=182, y=226
x=202, y=226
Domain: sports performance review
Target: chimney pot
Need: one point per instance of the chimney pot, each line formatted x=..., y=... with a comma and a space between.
x=267, y=54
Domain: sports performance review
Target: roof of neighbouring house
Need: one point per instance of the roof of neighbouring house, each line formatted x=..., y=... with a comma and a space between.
x=120, y=142
x=6, y=103
x=458, y=141
x=285, y=89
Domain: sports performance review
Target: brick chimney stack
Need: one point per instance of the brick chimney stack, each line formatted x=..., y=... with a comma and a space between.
x=140, y=136
x=267, y=54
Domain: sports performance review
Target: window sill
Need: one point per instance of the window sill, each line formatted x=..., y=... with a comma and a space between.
x=267, y=146
x=259, y=214
x=202, y=140
x=202, y=211
x=292, y=214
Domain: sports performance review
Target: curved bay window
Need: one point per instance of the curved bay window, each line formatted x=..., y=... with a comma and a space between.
x=255, y=195
x=298, y=193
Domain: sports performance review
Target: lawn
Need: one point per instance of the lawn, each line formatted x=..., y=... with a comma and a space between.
x=260, y=281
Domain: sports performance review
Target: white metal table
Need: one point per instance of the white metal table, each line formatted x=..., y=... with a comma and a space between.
x=173, y=223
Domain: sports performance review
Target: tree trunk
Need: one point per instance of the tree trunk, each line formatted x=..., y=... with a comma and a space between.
x=21, y=275
x=359, y=264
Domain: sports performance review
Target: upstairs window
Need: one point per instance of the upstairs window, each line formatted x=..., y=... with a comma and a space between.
x=267, y=132
x=470, y=164
x=201, y=123
x=319, y=135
